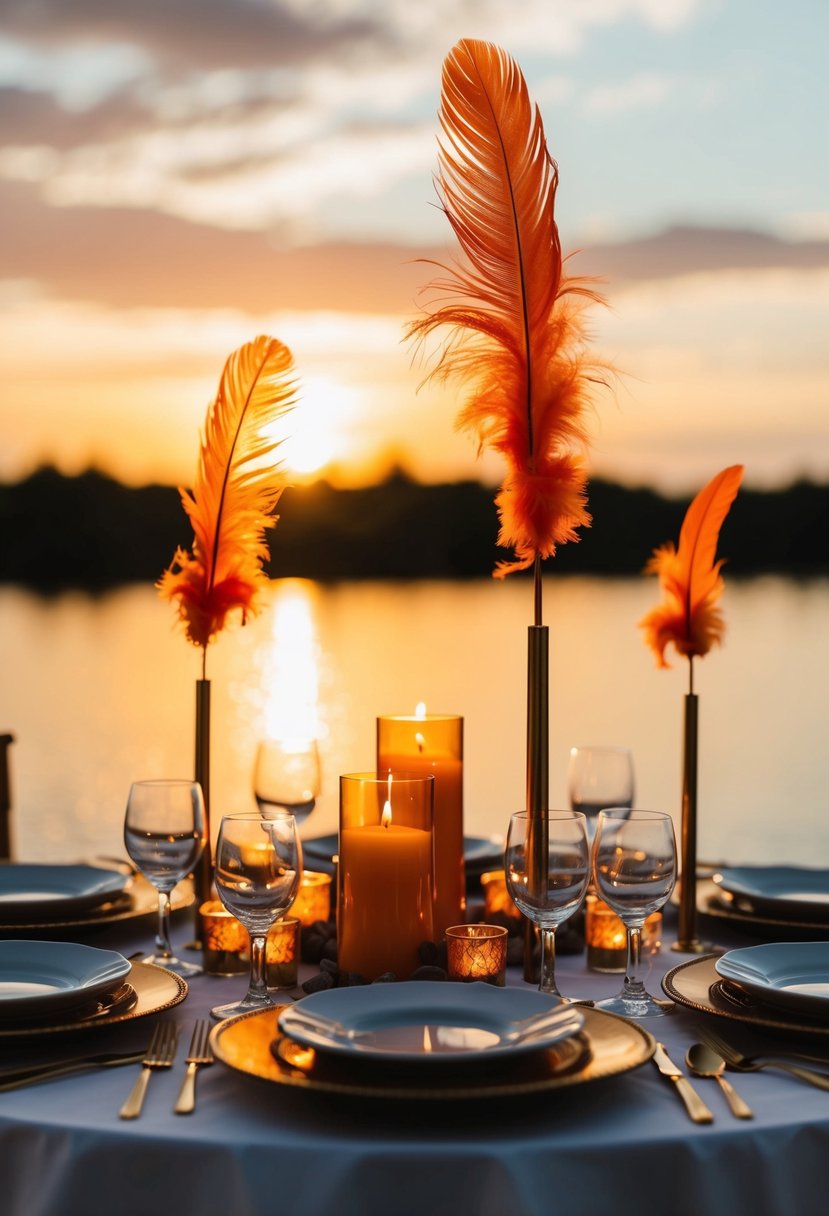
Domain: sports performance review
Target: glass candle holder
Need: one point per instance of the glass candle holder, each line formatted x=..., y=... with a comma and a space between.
x=313, y=901
x=432, y=744
x=282, y=953
x=385, y=873
x=607, y=939
x=224, y=940
x=477, y=952
x=497, y=899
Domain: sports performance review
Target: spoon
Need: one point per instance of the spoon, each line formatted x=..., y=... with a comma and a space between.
x=704, y=1062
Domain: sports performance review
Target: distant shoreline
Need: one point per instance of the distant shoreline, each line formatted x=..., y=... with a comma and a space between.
x=91, y=532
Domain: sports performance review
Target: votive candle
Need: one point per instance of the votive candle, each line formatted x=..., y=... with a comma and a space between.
x=313, y=900
x=477, y=952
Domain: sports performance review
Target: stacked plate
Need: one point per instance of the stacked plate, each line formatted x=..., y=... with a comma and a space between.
x=784, y=902
x=431, y=1040
x=51, y=898
x=778, y=986
x=46, y=983
x=49, y=988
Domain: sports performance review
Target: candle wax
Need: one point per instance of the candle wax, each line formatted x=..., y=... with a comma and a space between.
x=386, y=899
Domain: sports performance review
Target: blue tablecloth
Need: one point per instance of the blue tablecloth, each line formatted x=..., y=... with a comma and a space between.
x=623, y=1145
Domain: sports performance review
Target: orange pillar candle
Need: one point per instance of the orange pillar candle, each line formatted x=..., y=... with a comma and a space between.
x=385, y=872
x=433, y=744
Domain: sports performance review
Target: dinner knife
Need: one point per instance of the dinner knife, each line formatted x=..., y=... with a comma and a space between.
x=694, y=1104
x=16, y=1078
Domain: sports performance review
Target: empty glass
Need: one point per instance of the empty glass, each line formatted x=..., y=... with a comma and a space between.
x=164, y=835
x=286, y=776
x=258, y=867
x=634, y=868
x=547, y=864
x=599, y=778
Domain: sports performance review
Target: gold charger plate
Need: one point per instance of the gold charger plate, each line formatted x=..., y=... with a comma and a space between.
x=698, y=985
x=712, y=901
x=155, y=989
x=606, y=1046
x=140, y=899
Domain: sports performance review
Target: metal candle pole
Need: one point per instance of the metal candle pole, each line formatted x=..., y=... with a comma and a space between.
x=538, y=748
x=687, y=941
x=203, y=873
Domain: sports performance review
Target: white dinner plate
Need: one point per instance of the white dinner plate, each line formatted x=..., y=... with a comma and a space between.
x=41, y=978
x=427, y=1022
x=55, y=889
x=790, y=975
x=785, y=890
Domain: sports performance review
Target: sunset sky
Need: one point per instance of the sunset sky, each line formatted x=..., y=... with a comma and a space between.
x=177, y=176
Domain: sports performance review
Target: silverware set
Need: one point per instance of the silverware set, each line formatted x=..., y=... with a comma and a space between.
x=712, y=1056
x=160, y=1054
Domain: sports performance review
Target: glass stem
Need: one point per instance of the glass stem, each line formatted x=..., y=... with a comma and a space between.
x=162, y=937
x=633, y=983
x=258, y=986
x=548, y=962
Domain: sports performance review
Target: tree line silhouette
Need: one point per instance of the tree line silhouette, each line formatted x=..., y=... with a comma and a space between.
x=92, y=532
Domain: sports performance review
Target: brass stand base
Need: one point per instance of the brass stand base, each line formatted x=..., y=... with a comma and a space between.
x=692, y=947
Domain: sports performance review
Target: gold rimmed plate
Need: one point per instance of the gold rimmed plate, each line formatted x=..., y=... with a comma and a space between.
x=698, y=985
x=734, y=913
x=607, y=1046
x=139, y=899
x=147, y=989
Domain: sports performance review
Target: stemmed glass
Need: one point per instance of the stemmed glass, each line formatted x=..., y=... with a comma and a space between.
x=551, y=892
x=164, y=835
x=286, y=776
x=258, y=866
x=599, y=778
x=634, y=868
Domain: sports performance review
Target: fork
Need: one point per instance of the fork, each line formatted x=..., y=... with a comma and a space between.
x=736, y=1060
x=160, y=1054
x=199, y=1054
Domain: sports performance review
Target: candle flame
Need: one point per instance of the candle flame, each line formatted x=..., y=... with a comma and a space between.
x=385, y=818
x=419, y=740
x=420, y=709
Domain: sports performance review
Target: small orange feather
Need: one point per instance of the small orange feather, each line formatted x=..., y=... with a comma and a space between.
x=237, y=489
x=690, y=575
x=516, y=320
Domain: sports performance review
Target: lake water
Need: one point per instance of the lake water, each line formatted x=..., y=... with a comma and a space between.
x=99, y=691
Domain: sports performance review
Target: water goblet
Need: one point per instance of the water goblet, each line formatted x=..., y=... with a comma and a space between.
x=258, y=866
x=164, y=835
x=286, y=776
x=634, y=868
x=598, y=778
x=547, y=864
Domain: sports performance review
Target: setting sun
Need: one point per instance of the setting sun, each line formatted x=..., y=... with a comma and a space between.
x=316, y=431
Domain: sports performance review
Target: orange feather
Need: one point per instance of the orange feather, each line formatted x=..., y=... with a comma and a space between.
x=516, y=319
x=690, y=575
x=236, y=492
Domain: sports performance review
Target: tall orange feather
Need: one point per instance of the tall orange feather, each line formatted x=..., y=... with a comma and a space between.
x=236, y=492
x=690, y=575
x=516, y=319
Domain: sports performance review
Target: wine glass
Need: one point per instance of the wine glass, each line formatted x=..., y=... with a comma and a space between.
x=598, y=778
x=547, y=863
x=258, y=866
x=286, y=777
x=634, y=868
x=164, y=835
